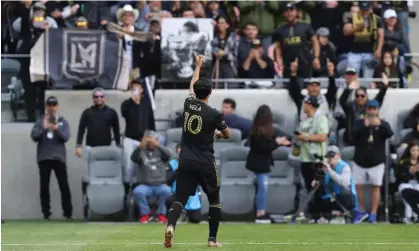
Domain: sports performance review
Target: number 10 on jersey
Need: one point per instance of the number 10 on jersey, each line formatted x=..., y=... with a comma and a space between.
x=187, y=123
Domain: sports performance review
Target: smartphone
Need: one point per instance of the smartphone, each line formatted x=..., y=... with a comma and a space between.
x=297, y=133
x=51, y=120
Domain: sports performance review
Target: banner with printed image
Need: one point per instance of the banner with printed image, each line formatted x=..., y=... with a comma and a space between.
x=180, y=37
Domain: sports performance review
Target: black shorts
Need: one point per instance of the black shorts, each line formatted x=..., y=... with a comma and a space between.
x=193, y=173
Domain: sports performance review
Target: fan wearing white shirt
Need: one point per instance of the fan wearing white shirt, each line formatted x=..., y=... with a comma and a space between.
x=126, y=17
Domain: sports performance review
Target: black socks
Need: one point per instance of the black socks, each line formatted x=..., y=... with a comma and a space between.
x=214, y=217
x=174, y=214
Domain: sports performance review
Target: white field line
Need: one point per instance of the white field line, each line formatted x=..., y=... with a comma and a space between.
x=228, y=244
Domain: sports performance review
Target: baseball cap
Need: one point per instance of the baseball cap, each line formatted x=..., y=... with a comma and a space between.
x=39, y=6
x=52, y=101
x=150, y=133
x=389, y=14
x=365, y=5
x=373, y=103
x=154, y=19
x=314, y=81
x=290, y=5
x=323, y=32
x=332, y=151
x=350, y=70
x=312, y=100
x=202, y=88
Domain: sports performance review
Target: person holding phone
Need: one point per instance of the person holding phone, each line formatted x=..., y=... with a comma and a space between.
x=51, y=132
x=257, y=64
x=139, y=117
x=369, y=138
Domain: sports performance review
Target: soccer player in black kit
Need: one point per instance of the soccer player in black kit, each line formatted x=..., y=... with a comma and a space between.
x=196, y=160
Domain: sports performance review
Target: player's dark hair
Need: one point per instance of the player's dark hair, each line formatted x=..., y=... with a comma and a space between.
x=263, y=122
x=191, y=27
x=231, y=102
x=202, y=88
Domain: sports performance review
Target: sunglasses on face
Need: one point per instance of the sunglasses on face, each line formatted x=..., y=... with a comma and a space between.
x=360, y=95
x=98, y=96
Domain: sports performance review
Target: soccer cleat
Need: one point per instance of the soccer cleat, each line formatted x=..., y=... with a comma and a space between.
x=212, y=244
x=322, y=220
x=407, y=221
x=360, y=217
x=168, y=236
x=145, y=218
x=161, y=218
x=372, y=218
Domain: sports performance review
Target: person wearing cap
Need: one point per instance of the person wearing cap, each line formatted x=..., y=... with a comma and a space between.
x=139, y=117
x=327, y=101
x=402, y=11
x=366, y=31
x=369, y=138
x=51, y=132
x=29, y=27
x=356, y=109
x=327, y=52
x=81, y=23
x=151, y=159
x=294, y=40
x=312, y=135
x=150, y=55
x=338, y=185
x=393, y=35
x=126, y=17
x=99, y=120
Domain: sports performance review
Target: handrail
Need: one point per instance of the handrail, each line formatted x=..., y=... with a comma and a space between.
x=280, y=80
x=412, y=54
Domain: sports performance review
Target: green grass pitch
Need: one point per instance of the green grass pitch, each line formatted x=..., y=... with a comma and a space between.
x=78, y=236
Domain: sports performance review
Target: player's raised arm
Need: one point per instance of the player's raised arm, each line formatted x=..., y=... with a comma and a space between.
x=199, y=60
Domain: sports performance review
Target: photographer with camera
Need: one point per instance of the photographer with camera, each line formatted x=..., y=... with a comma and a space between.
x=257, y=64
x=339, y=187
x=51, y=132
x=369, y=138
x=312, y=137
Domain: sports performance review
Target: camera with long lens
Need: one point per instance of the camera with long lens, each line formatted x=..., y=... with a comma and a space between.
x=319, y=174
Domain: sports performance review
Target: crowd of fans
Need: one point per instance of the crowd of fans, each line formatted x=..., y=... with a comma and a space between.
x=254, y=40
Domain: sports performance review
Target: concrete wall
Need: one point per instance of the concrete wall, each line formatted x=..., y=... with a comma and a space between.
x=19, y=172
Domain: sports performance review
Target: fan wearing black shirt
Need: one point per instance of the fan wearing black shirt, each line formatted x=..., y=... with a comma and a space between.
x=196, y=160
x=296, y=40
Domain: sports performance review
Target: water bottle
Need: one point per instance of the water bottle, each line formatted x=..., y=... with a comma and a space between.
x=332, y=138
x=392, y=176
